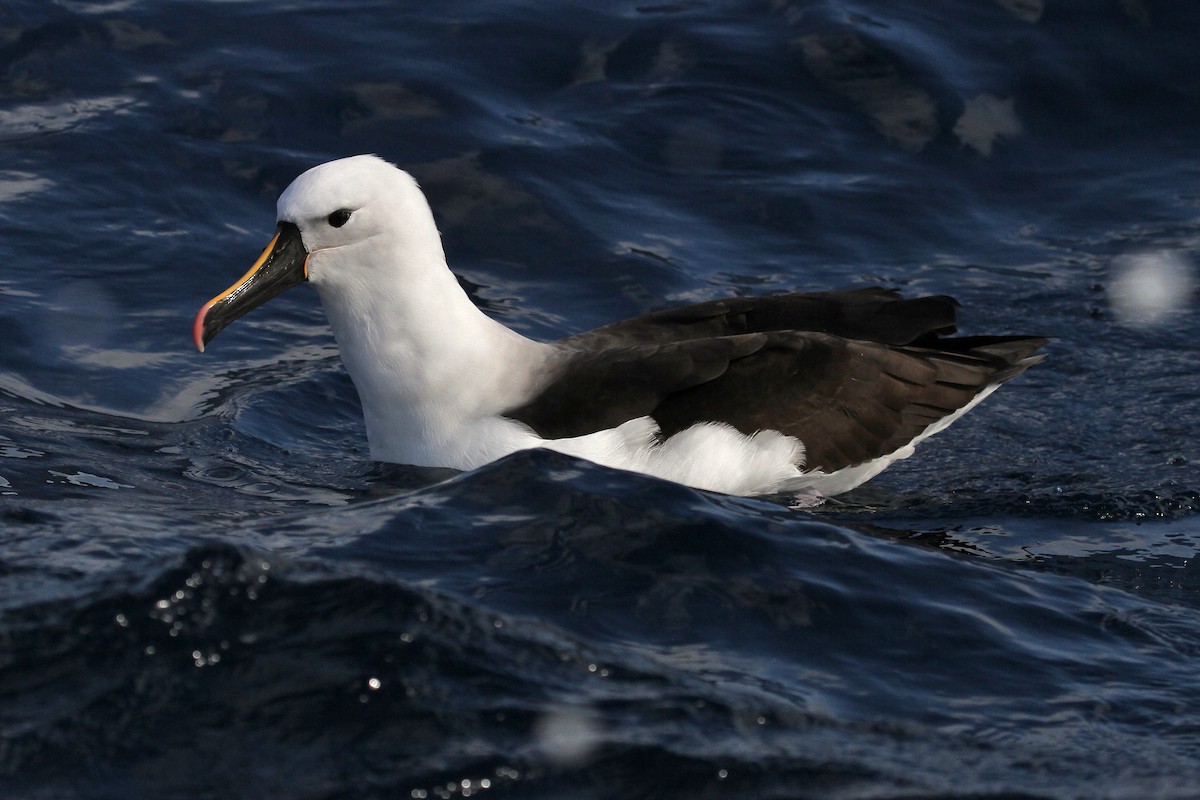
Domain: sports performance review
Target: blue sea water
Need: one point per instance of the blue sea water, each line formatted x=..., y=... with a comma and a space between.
x=208, y=590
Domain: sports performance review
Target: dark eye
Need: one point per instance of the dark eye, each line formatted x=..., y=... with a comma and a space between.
x=339, y=218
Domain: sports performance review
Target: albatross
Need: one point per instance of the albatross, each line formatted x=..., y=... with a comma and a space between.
x=813, y=392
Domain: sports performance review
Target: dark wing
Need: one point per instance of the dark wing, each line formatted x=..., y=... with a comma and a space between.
x=874, y=315
x=591, y=390
x=848, y=401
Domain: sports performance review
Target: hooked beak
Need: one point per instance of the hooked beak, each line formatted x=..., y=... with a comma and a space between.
x=281, y=266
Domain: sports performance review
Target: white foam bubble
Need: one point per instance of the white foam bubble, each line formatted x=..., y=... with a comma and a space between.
x=566, y=736
x=1148, y=288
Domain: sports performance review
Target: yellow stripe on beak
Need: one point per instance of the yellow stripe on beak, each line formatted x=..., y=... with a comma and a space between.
x=283, y=264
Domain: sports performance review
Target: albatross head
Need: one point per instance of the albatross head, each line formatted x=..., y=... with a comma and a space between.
x=340, y=224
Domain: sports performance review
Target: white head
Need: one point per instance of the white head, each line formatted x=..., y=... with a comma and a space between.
x=356, y=228
x=361, y=232
x=347, y=207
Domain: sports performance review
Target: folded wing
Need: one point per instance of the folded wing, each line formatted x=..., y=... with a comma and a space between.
x=853, y=375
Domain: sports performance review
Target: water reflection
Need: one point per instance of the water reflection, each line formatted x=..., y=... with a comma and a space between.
x=386, y=103
x=985, y=119
x=40, y=119
x=902, y=112
x=1027, y=10
x=15, y=185
x=77, y=317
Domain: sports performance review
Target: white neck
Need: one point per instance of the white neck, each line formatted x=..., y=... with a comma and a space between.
x=428, y=364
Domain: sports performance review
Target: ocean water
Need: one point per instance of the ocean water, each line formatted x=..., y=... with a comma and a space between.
x=208, y=590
